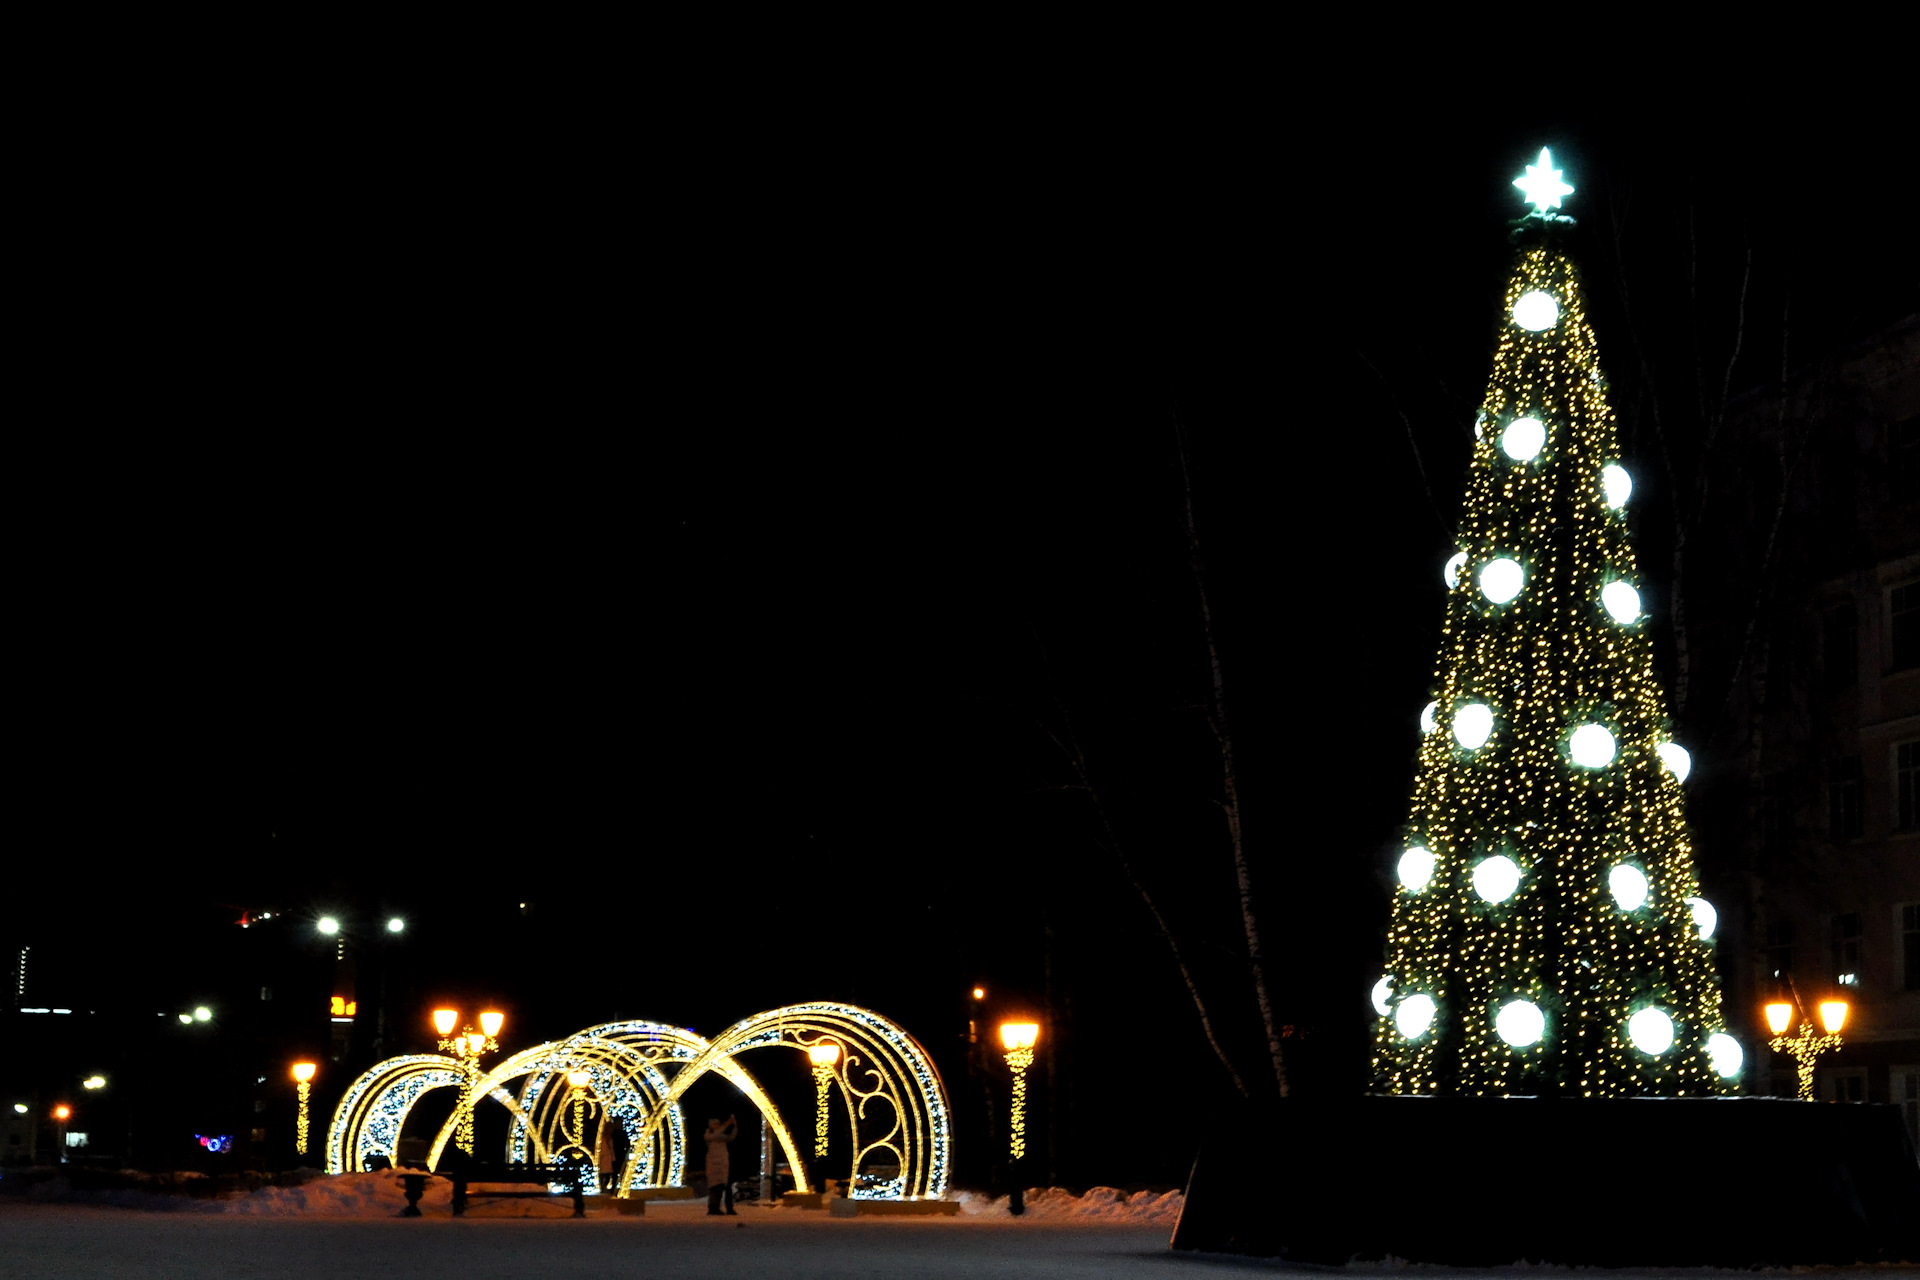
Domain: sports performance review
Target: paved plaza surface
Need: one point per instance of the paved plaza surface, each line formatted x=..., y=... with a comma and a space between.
x=77, y=1242
x=81, y=1242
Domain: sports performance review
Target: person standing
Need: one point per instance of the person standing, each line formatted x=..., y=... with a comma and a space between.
x=719, y=1168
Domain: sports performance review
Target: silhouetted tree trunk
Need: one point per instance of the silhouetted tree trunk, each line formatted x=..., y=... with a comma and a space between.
x=1230, y=784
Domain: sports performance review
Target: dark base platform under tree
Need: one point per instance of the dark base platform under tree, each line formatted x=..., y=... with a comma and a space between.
x=1730, y=1182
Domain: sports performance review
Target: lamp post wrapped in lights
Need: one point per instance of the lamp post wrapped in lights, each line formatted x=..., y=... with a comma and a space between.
x=303, y=1076
x=823, y=1056
x=1806, y=1046
x=580, y=1100
x=1018, y=1039
x=466, y=1049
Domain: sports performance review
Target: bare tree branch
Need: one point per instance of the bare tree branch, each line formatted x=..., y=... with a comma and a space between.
x=1069, y=748
x=1231, y=782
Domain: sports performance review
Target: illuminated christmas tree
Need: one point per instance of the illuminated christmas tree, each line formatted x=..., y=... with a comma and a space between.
x=1548, y=935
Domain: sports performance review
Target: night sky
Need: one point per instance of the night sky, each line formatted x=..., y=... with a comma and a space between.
x=705, y=542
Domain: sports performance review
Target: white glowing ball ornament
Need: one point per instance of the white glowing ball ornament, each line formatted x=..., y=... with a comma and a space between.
x=1502, y=579
x=1616, y=485
x=1705, y=918
x=1628, y=885
x=1495, y=878
x=1523, y=439
x=1621, y=602
x=1383, y=996
x=1430, y=717
x=1416, y=868
x=1726, y=1055
x=1520, y=1023
x=1651, y=1031
x=1591, y=746
x=1451, y=572
x=1414, y=1015
x=1473, y=725
x=1675, y=757
x=1536, y=312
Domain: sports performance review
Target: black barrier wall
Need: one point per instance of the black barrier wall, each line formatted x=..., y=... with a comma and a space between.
x=1604, y=1182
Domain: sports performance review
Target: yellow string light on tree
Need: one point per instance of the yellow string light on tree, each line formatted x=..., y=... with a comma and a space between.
x=1513, y=967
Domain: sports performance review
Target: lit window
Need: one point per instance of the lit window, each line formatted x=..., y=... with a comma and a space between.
x=1845, y=932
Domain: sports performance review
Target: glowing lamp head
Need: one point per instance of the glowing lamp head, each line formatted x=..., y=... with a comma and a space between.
x=1621, y=602
x=826, y=1054
x=1651, y=1031
x=186, y=1019
x=1725, y=1054
x=1502, y=579
x=1019, y=1035
x=396, y=925
x=202, y=1014
x=444, y=1020
x=1536, y=312
x=1473, y=725
x=979, y=993
x=491, y=1022
x=1833, y=1015
x=303, y=1071
x=1414, y=1015
x=94, y=1082
x=578, y=1078
x=327, y=925
x=475, y=1042
x=62, y=1112
x=20, y=1108
x=1523, y=439
x=1779, y=1017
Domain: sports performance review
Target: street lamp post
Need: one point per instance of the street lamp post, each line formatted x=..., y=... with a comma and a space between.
x=466, y=1049
x=303, y=1076
x=823, y=1056
x=1018, y=1039
x=1807, y=1045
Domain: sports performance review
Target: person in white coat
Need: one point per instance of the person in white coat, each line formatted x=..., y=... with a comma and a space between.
x=719, y=1169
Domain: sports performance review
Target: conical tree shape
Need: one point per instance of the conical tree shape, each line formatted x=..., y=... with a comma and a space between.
x=1584, y=816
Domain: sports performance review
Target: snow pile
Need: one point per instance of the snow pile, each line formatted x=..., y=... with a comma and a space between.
x=1102, y=1205
x=347, y=1195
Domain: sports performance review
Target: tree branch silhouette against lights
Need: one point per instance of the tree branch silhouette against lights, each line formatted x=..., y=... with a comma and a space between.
x=1548, y=935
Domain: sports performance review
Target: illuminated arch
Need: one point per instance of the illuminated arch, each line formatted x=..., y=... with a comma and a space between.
x=887, y=1083
x=895, y=1107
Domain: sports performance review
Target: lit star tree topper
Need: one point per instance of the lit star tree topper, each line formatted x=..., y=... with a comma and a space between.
x=1548, y=935
x=1541, y=186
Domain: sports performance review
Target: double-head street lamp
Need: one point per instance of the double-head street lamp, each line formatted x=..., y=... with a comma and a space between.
x=1807, y=1045
x=466, y=1049
x=822, y=1057
x=303, y=1076
x=1018, y=1039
